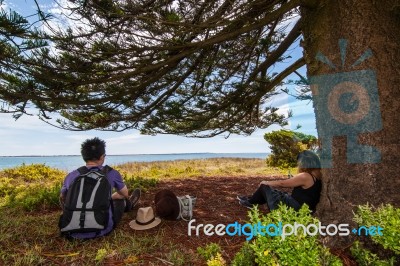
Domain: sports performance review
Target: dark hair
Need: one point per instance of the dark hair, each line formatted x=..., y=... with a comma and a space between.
x=307, y=161
x=93, y=149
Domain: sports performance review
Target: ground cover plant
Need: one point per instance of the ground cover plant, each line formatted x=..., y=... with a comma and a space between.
x=388, y=218
x=29, y=233
x=30, y=186
x=295, y=249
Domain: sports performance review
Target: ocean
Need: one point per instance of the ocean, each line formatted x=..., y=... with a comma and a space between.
x=72, y=162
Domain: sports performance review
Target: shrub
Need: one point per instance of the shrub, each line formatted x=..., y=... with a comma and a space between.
x=35, y=196
x=365, y=257
x=216, y=261
x=293, y=249
x=286, y=145
x=30, y=186
x=33, y=173
x=388, y=218
x=136, y=180
x=139, y=182
x=209, y=252
x=245, y=257
x=6, y=186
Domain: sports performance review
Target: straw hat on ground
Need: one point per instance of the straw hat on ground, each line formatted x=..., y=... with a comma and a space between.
x=145, y=219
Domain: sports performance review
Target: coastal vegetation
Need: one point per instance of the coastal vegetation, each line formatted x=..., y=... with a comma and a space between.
x=208, y=68
x=286, y=144
x=29, y=211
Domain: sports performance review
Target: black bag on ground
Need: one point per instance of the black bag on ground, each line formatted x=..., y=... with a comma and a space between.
x=87, y=203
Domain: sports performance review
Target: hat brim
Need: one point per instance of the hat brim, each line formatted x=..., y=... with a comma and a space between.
x=134, y=225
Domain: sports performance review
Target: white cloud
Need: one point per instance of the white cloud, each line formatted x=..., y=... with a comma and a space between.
x=123, y=139
x=33, y=137
x=63, y=18
x=79, y=137
x=25, y=122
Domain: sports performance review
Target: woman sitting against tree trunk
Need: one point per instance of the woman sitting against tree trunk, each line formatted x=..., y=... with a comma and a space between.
x=306, y=187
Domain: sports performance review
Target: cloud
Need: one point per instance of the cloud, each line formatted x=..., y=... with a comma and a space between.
x=79, y=137
x=25, y=123
x=63, y=18
x=123, y=139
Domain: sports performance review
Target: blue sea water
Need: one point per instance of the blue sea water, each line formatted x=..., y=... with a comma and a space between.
x=69, y=163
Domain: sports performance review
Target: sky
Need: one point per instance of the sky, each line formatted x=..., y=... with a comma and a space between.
x=30, y=136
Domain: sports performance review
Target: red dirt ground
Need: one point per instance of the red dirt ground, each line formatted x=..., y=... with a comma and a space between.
x=216, y=204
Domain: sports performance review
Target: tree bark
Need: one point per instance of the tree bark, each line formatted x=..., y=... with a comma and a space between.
x=364, y=24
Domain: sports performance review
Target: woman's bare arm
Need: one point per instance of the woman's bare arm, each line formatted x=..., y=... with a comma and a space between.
x=301, y=179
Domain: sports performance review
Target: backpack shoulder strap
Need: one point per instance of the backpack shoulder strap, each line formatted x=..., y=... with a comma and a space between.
x=83, y=170
x=107, y=168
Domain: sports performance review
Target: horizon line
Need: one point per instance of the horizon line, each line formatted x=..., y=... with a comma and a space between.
x=134, y=154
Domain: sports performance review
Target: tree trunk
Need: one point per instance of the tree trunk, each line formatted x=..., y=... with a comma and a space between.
x=358, y=174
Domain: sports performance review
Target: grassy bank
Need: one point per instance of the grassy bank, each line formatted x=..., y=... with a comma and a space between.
x=29, y=213
x=37, y=186
x=199, y=168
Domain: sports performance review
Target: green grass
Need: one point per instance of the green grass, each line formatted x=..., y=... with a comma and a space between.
x=33, y=239
x=29, y=215
x=199, y=168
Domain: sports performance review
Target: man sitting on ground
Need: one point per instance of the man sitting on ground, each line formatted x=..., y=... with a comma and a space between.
x=75, y=224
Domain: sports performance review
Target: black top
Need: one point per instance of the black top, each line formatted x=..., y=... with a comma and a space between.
x=309, y=196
